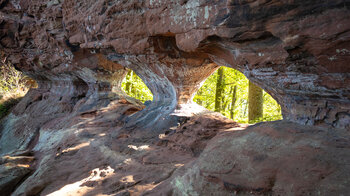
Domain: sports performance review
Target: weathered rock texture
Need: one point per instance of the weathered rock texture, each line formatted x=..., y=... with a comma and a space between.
x=298, y=51
x=277, y=158
x=79, y=52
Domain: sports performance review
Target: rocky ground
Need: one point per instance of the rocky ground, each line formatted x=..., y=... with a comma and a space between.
x=92, y=154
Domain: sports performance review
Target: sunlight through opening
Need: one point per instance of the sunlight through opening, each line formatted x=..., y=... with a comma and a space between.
x=134, y=87
x=233, y=102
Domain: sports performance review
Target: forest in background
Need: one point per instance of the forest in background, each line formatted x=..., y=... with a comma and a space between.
x=225, y=91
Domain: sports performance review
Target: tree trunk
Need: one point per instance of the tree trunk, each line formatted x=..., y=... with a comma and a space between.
x=133, y=87
x=255, y=106
x=233, y=102
x=219, y=89
x=129, y=81
x=199, y=101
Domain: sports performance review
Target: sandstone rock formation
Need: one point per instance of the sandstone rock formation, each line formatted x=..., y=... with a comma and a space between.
x=79, y=52
x=278, y=158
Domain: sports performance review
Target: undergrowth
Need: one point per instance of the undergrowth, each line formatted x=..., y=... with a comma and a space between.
x=13, y=86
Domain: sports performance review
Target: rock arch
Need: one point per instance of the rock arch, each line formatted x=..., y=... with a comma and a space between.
x=78, y=51
x=303, y=69
x=173, y=76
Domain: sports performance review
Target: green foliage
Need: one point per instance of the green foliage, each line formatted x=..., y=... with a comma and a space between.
x=13, y=86
x=134, y=87
x=10, y=79
x=205, y=96
x=272, y=110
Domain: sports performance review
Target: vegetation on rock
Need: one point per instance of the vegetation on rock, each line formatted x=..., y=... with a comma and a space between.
x=13, y=86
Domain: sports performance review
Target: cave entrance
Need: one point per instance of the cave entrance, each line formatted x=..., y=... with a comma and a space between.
x=134, y=87
x=229, y=92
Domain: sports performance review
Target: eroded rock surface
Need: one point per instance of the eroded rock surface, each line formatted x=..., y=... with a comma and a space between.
x=279, y=158
x=91, y=155
x=88, y=137
x=298, y=51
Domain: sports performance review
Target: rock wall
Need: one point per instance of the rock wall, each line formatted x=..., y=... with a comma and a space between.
x=80, y=50
x=297, y=51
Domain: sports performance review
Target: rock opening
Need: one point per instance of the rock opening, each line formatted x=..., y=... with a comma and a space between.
x=227, y=92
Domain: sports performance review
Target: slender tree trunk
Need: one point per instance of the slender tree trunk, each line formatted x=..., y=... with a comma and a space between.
x=255, y=106
x=233, y=102
x=128, y=84
x=219, y=90
x=199, y=101
x=224, y=105
x=133, y=88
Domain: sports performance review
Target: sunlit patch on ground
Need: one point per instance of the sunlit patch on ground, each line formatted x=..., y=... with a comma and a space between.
x=140, y=148
x=179, y=165
x=161, y=136
x=10, y=165
x=128, y=161
x=78, y=188
x=127, y=179
x=138, y=189
x=77, y=147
